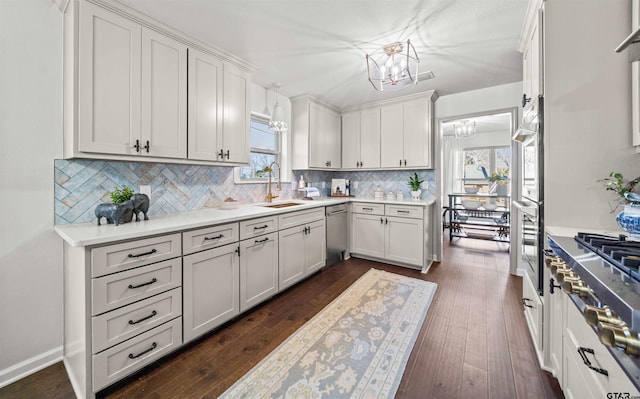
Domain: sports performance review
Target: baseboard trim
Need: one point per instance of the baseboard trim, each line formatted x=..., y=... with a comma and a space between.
x=30, y=366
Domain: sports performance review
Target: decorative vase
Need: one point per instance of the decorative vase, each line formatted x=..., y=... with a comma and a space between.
x=416, y=194
x=502, y=189
x=629, y=220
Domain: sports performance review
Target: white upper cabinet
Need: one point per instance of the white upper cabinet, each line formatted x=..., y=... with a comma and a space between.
x=219, y=110
x=109, y=82
x=361, y=139
x=316, y=134
x=164, y=96
x=126, y=88
x=532, y=58
x=236, y=115
x=205, y=105
x=406, y=133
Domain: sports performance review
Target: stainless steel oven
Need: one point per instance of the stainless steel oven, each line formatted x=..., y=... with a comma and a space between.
x=531, y=201
x=530, y=241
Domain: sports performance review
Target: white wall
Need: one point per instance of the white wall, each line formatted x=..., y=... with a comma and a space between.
x=588, y=110
x=30, y=138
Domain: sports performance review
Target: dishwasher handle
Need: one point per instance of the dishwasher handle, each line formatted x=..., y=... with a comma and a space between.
x=337, y=212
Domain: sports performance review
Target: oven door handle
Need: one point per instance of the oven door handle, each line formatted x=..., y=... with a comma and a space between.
x=529, y=208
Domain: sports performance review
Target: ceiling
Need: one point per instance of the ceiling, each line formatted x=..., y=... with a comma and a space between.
x=318, y=47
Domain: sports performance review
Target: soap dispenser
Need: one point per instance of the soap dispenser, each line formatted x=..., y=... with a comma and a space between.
x=301, y=183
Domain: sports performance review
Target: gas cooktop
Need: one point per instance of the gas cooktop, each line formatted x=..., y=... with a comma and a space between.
x=621, y=252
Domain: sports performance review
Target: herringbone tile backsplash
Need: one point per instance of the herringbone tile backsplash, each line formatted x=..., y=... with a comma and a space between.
x=80, y=185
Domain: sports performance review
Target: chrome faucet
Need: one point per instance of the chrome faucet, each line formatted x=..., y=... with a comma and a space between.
x=269, y=169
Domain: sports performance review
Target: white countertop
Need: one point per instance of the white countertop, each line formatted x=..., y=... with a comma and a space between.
x=87, y=234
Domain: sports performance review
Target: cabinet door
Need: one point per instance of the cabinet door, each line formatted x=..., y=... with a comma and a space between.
x=108, y=82
x=205, y=105
x=292, y=267
x=369, y=138
x=404, y=240
x=315, y=246
x=556, y=319
x=317, y=155
x=533, y=308
x=164, y=96
x=417, y=133
x=237, y=115
x=258, y=270
x=351, y=140
x=367, y=235
x=391, y=136
x=211, y=289
x=332, y=139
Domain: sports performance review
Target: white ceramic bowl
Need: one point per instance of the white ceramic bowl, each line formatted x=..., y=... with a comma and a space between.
x=489, y=207
x=471, y=190
x=471, y=205
x=229, y=205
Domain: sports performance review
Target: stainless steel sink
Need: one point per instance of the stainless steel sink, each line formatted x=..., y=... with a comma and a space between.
x=282, y=205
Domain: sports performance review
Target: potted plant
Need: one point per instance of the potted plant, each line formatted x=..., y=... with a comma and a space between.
x=415, y=183
x=499, y=179
x=629, y=198
x=121, y=208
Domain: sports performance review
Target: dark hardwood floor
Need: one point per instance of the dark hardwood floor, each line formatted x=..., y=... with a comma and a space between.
x=474, y=342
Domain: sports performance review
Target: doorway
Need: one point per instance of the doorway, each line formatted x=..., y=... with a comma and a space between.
x=486, y=160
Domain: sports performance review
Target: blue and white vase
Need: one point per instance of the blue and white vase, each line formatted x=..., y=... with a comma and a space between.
x=629, y=220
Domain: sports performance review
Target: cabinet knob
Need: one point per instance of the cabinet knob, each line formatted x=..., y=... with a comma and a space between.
x=137, y=145
x=525, y=100
x=226, y=154
x=147, y=146
x=221, y=154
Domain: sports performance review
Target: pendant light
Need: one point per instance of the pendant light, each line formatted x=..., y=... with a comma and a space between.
x=277, y=123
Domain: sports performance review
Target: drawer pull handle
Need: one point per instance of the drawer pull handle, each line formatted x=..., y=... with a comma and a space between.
x=524, y=302
x=153, y=346
x=219, y=236
x=367, y=209
x=143, y=319
x=401, y=211
x=261, y=227
x=581, y=351
x=153, y=280
x=263, y=240
x=153, y=251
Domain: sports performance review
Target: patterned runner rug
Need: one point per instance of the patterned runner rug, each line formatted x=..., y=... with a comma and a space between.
x=356, y=347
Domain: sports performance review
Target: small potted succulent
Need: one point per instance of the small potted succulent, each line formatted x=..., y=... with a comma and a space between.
x=629, y=198
x=121, y=208
x=415, y=184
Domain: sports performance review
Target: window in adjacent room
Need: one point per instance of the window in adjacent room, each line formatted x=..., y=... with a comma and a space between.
x=493, y=159
x=265, y=149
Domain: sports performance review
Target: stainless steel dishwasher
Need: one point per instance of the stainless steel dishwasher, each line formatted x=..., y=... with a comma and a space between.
x=336, y=233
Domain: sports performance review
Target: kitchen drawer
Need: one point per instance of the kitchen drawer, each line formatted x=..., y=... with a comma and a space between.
x=121, y=360
x=117, y=290
x=257, y=227
x=414, y=212
x=121, y=324
x=119, y=257
x=300, y=217
x=210, y=237
x=578, y=334
x=363, y=207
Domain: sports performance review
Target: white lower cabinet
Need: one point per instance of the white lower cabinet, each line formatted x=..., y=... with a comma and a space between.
x=556, y=309
x=533, y=313
x=258, y=270
x=211, y=289
x=376, y=233
x=302, y=251
x=581, y=344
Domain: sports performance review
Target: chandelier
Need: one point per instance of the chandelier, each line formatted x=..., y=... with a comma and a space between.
x=465, y=129
x=393, y=67
x=277, y=123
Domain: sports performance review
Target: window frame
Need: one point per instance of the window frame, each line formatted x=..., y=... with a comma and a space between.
x=278, y=155
x=492, y=164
